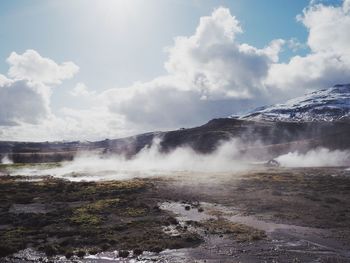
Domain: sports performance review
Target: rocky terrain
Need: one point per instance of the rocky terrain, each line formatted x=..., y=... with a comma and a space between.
x=265, y=215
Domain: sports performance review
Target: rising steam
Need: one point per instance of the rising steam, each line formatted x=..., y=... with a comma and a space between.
x=150, y=161
x=6, y=160
x=315, y=158
x=229, y=157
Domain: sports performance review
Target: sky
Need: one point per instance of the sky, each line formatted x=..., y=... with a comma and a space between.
x=95, y=69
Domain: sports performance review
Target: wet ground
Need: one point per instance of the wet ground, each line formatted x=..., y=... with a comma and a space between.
x=266, y=215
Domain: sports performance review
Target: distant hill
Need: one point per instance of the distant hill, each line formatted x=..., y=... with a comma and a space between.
x=274, y=138
x=318, y=119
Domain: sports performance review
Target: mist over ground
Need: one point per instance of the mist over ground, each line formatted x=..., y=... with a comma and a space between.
x=5, y=160
x=315, y=158
x=150, y=161
x=230, y=156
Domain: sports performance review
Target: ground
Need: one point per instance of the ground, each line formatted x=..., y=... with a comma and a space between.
x=264, y=215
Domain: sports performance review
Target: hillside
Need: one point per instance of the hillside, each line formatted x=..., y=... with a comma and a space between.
x=318, y=119
x=274, y=138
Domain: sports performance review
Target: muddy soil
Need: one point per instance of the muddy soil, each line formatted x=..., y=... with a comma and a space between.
x=267, y=215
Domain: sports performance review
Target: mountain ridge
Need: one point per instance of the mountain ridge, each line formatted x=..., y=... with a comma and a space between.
x=331, y=104
x=318, y=119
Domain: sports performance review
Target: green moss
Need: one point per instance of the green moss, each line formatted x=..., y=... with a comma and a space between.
x=90, y=214
x=240, y=232
x=123, y=185
x=102, y=204
x=82, y=216
x=135, y=212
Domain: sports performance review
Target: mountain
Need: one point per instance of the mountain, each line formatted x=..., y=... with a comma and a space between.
x=318, y=119
x=274, y=138
x=330, y=104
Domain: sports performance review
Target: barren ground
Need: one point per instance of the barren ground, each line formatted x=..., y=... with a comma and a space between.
x=266, y=215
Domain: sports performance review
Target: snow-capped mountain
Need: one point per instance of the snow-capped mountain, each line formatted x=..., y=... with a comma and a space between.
x=330, y=104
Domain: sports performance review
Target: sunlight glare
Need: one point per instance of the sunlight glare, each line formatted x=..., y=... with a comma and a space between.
x=117, y=12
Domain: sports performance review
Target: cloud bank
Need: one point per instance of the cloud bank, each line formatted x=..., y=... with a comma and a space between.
x=209, y=75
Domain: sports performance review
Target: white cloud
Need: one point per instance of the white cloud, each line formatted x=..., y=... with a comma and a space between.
x=328, y=63
x=71, y=124
x=25, y=96
x=328, y=28
x=210, y=75
x=21, y=101
x=4, y=80
x=25, y=112
x=314, y=71
x=346, y=6
x=81, y=90
x=164, y=104
x=33, y=67
x=295, y=45
x=212, y=62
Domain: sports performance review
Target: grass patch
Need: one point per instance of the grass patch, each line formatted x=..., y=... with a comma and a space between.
x=240, y=232
x=90, y=214
x=135, y=212
x=84, y=216
x=101, y=205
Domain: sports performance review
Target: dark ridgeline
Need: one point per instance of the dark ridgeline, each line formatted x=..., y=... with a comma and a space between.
x=318, y=119
x=274, y=138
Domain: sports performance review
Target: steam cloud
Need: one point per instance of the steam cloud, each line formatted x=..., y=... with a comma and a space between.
x=5, y=160
x=315, y=158
x=150, y=161
x=229, y=157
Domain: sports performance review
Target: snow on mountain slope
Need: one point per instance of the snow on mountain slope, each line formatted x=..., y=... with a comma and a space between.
x=330, y=104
